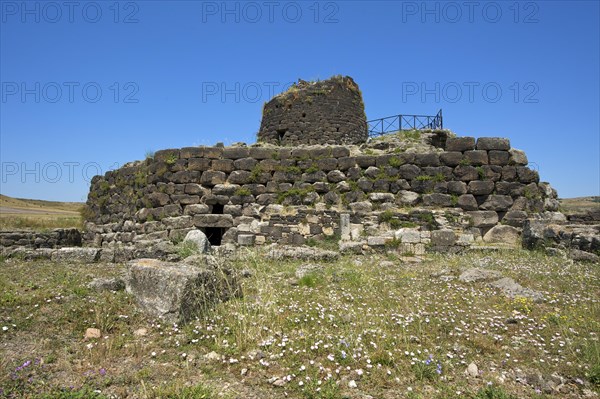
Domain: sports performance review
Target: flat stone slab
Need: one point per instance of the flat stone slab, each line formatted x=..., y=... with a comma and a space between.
x=477, y=274
x=512, y=289
x=76, y=254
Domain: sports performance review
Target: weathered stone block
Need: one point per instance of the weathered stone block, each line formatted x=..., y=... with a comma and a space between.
x=159, y=199
x=481, y=187
x=245, y=163
x=476, y=157
x=191, y=152
x=346, y=163
x=467, y=202
x=169, y=155
x=410, y=236
x=409, y=171
x=223, y=165
x=213, y=221
x=437, y=199
x=235, y=152
x=497, y=203
x=327, y=164
x=443, y=238
x=246, y=239
x=460, y=144
x=466, y=173
x=213, y=152
x=361, y=207
x=428, y=159
x=262, y=153
x=76, y=254
x=200, y=164
x=239, y=177
x=493, y=143
x=451, y=158
x=457, y=187
x=196, y=209
x=177, y=292
x=483, y=218
x=500, y=158
x=517, y=157
x=225, y=189
x=213, y=177
x=364, y=161
x=527, y=175
x=194, y=189
x=502, y=234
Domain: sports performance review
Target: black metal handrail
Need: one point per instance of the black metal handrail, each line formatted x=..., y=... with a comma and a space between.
x=394, y=123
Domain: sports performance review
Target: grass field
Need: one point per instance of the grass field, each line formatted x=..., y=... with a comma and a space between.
x=16, y=213
x=367, y=325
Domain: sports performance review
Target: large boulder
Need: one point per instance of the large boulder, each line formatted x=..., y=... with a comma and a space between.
x=178, y=292
x=76, y=254
x=199, y=240
x=502, y=234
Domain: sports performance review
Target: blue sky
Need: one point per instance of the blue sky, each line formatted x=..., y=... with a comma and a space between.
x=88, y=86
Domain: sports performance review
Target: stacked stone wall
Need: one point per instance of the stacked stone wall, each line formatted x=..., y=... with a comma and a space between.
x=255, y=195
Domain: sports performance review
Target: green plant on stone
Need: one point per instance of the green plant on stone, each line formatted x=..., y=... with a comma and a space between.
x=395, y=162
x=454, y=199
x=171, y=159
x=312, y=169
x=186, y=249
x=243, y=192
x=464, y=162
x=293, y=170
x=255, y=174
x=439, y=177
x=481, y=173
x=149, y=154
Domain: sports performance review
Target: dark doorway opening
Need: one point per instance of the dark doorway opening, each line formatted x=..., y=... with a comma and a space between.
x=217, y=209
x=214, y=235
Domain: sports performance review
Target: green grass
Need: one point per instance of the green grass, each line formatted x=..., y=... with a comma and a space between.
x=386, y=324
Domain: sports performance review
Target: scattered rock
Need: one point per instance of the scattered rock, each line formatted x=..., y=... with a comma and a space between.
x=352, y=384
x=477, y=274
x=199, y=239
x=502, y=234
x=279, y=382
x=354, y=247
x=212, y=356
x=246, y=273
x=107, y=284
x=91, y=333
x=582, y=256
x=177, y=292
x=513, y=289
x=472, y=370
x=307, y=268
x=140, y=332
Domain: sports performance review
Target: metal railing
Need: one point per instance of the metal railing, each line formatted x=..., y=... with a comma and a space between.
x=379, y=127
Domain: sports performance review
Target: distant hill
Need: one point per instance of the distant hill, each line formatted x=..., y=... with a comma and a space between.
x=19, y=213
x=38, y=205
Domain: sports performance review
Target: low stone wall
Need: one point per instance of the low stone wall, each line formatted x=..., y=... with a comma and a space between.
x=45, y=239
x=256, y=195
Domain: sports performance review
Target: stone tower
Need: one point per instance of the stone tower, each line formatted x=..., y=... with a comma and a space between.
x=324, y=112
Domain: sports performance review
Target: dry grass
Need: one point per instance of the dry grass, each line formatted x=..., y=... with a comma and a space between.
x=16, y=213
x=388, y=326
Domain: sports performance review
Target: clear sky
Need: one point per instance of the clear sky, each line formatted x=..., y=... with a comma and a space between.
x=89, y=86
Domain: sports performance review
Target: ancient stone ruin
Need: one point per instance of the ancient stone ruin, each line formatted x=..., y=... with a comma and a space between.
x=323, y=112
x=411, y=191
